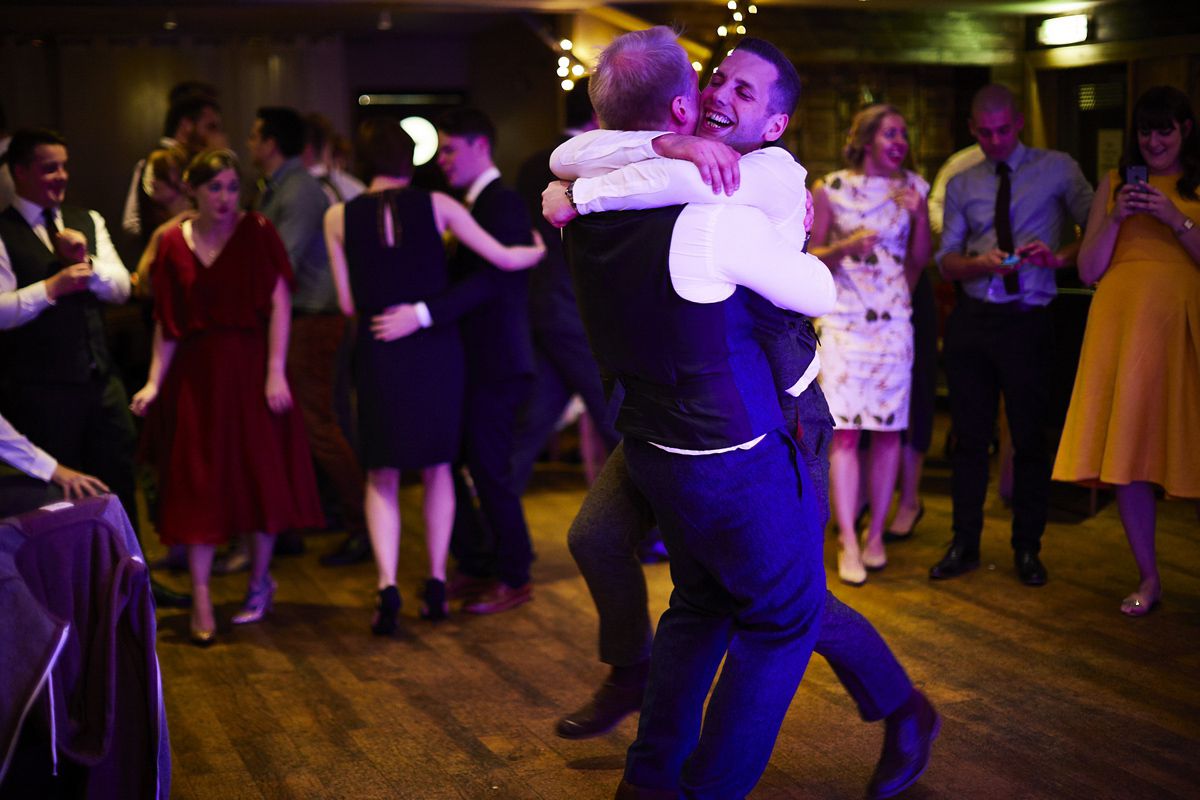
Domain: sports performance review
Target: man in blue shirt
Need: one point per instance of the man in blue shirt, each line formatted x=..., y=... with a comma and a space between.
x=1000, y=214
x=295, y=203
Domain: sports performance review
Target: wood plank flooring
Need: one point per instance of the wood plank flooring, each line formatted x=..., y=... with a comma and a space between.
x=1047, y=692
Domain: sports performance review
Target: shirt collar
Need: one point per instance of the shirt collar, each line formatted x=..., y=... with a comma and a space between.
x=1015, y=157
x=480, y=183
x=318, y=170
x=30, y=210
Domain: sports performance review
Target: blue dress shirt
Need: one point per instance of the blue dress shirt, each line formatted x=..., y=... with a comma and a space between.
x=1048, y=193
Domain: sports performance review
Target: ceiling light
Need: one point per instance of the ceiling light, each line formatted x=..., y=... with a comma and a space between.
x=1063, y=30
x=385, y=21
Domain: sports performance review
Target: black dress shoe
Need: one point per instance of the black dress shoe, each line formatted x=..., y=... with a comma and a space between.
x=354, y=549
x=627, y=791
x=906, y=744
x=1029, y=568
x=959, y=559
x=289, y=543
x=169, y=598
x=604, y=711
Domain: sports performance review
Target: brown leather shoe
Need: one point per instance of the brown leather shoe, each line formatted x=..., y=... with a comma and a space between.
x=627, y=791
x=462, y=586
x=500, y=597
x=907, y=740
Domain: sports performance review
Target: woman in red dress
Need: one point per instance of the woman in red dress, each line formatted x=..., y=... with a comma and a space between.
x=221, y=431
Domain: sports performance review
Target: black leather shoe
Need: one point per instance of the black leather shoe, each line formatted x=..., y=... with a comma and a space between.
x=906, y=744
x=169, y=598
x=354, y=549
x=289, y=543
x=959, y=560
x=1029, y=568
x=604, y=711
x=627, y=791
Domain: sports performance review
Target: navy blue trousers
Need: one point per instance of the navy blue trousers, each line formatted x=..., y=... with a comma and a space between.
x=741, y=529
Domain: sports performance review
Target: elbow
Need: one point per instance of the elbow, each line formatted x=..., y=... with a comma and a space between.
x=828, y=298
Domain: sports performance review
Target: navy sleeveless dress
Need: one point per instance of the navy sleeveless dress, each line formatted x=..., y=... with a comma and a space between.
x=410, y=391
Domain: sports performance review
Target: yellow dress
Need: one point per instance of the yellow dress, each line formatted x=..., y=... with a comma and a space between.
x=1135, y=408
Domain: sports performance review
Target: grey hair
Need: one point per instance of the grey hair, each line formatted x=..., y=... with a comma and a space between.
x=636, y=78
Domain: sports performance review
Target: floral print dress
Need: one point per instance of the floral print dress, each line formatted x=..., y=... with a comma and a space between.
x=867, y=341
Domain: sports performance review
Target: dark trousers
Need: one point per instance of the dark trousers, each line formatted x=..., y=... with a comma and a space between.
x=989, y=351
x=20, y=492
x=750, y=588
x=312, y=360
x=501, y=544
x=563, y=366
x=85, y=426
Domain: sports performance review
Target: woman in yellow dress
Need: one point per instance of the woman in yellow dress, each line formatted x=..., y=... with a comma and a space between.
x=1134, y=420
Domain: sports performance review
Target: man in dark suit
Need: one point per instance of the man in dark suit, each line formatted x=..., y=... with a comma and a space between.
x=492, y=309
x=563, y=362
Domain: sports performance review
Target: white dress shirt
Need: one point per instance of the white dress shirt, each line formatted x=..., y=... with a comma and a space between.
x=340, y=186
x=131, y=221
x=109, y=282
x=23, y=454
x=719, y=242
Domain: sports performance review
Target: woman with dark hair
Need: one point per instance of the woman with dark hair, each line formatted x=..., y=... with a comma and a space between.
x=385, y=248
x=1134, y=418
x=872, y=231
x=228, y=446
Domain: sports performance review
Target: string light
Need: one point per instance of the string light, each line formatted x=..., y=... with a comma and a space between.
x=566, y=44
x=568, y=85
x=696, y=65
x=731, y=5
x=741, y=29
x=722, y=32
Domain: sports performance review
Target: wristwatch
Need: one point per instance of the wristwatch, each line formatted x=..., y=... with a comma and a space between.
x=1185, y=226
x=571, y=196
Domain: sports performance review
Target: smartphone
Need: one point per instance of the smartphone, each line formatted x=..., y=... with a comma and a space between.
x=1011, y=261
x=1136, y=175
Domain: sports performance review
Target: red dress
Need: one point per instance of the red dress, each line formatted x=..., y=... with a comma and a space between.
x=226, y=464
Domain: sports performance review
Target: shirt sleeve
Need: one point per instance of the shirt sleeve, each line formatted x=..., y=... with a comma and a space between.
x=744, y=248
x=130, y=220
x=23, y=454
x=18, y=306
x=110, y=280
x=1079, y=193
x=599, y=151
x=774, y=184
x=954, y=221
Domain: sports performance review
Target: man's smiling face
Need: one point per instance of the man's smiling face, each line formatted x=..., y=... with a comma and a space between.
x=735, y=106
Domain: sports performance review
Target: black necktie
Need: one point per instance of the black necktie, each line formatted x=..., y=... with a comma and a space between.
x=51, y=226
x=1003, y=224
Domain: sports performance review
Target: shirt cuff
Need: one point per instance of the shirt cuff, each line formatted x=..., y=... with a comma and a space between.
x=422, y=312
x=43, y=465
x=38, y=295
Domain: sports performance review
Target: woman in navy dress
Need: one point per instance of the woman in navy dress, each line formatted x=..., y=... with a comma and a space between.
x=385, y=248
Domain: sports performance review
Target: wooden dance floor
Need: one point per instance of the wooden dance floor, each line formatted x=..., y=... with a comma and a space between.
x=1047, y=692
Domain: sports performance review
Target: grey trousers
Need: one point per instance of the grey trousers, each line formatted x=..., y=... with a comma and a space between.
x=615, y=518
